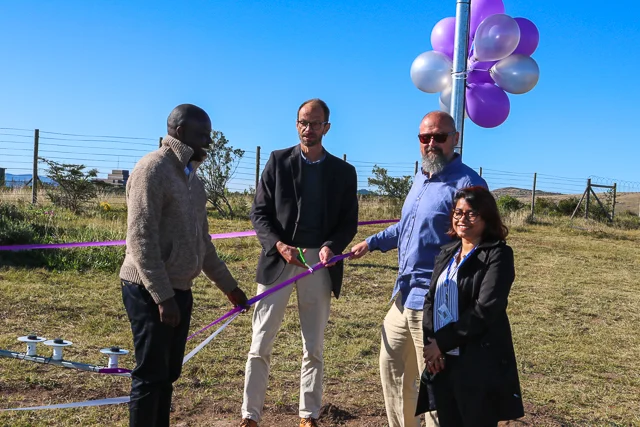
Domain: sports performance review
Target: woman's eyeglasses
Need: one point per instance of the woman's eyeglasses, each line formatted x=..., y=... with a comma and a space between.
x=471, y=215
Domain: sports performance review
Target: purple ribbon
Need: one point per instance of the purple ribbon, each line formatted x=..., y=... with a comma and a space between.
x=112, y=371
x=122, y=242
x=250, y=302
x=270, y=291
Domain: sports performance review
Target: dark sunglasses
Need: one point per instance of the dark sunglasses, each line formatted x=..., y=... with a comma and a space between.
x=440, y=138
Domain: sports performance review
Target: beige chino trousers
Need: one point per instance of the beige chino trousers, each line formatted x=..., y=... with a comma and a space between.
x=314, y=301
x=401, y=364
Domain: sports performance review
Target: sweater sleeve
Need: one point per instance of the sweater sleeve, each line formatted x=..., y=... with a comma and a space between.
x=144, y=205
x=213, y=267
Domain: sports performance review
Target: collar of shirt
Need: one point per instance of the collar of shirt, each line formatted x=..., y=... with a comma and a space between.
x=309, y=162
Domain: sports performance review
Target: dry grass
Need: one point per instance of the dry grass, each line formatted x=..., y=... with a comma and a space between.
x=574, y=309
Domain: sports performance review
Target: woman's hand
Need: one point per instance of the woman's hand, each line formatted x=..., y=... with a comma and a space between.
x=433, y=357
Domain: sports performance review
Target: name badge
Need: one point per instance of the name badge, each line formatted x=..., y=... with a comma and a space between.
x=445, y=314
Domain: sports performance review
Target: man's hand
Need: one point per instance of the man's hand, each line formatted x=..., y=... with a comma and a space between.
x=325, y=255
x=169, y=312
x=238, y=298
x=360, y=250
x=290, y=254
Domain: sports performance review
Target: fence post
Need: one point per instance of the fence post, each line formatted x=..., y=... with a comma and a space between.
x=257, y=167
x=415, y=171
x=586, y=206
x=613, y=205
x=34, y=175
x=160, y=142
x=480, y=173
x=533, y=195
x=344, y=157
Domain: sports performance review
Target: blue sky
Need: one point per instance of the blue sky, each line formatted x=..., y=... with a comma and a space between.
x=119, y=67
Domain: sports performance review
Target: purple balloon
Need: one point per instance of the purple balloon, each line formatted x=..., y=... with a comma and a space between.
x=479, y=72
x=487, y=105
x=529, y=37
x=443, y=35
x=480, y=9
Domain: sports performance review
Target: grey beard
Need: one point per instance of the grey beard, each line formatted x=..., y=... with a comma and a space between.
x=434, y=165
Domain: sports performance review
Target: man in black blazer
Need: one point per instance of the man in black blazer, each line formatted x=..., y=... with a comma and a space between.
x=307, y=199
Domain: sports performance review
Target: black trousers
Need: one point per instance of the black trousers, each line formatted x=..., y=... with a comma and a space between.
x=456, y=402
x=159, y=350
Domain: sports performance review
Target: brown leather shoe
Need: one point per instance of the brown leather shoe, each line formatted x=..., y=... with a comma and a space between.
x=246, y=422
x=308, y=422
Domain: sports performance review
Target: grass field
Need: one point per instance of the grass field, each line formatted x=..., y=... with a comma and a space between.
x=574, y=309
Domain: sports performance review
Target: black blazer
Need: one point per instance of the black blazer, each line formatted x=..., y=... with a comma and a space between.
x=276, y=209
x=483, y=333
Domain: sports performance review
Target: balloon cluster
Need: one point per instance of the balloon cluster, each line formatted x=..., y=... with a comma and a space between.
x=499, y=61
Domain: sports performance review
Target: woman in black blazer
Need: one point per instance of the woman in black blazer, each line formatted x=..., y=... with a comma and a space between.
x=471, y=363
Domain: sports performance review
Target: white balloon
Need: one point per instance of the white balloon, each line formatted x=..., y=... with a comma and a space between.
x=445, y=101
x=431, y=71
x=497, y=37
x=516, y=73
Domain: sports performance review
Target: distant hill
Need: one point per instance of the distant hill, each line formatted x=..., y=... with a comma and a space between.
x=365, y=192
x=11, y=180
x=520, y=192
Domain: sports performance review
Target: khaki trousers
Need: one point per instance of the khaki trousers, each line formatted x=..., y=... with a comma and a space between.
x=314, y=300
x=401, y=364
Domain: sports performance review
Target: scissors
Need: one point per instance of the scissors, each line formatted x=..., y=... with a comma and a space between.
x=304, y=261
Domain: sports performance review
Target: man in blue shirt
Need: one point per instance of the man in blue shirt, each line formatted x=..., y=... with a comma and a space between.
x=418, y=237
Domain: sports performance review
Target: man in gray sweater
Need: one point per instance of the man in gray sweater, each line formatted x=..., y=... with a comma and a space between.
x=168, y=245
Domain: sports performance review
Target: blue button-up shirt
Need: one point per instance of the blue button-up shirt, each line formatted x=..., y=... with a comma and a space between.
x=422, y=228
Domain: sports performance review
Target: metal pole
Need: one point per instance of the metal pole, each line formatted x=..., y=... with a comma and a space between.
x=613, y=206
x=344, y=157
x=34, y=175
x=533, y=194
x=459, y=80
x=480, y=173
x=160, y=142
x=586, y=207
x=257, y=167
x=415, y=170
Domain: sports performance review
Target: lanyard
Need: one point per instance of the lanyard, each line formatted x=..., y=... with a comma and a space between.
x=461, y=262
x=448, y=278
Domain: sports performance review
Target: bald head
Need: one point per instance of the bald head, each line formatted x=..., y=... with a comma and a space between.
x=191, y=125
x=183, y=114
x=442, y=118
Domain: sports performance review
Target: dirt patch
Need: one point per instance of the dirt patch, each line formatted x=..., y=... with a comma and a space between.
x=333, y=414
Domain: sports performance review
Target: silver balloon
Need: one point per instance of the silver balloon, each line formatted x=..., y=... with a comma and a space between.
x=516, y=73
x=445, y=101
x=497, y=37
x=431, y=71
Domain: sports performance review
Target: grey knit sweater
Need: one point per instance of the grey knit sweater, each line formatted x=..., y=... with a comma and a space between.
x=168, y=242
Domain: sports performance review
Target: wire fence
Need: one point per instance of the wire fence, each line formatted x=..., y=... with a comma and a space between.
x=114, y=156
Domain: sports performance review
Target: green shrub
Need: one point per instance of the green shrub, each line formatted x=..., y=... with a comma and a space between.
x=568, y=205
x=545, y=206
x=32, y=225
x=627, y=221
x=509, y=204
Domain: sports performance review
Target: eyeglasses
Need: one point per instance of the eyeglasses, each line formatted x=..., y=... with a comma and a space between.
x=313, y=125
x=440, y=137
x=471, y=215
